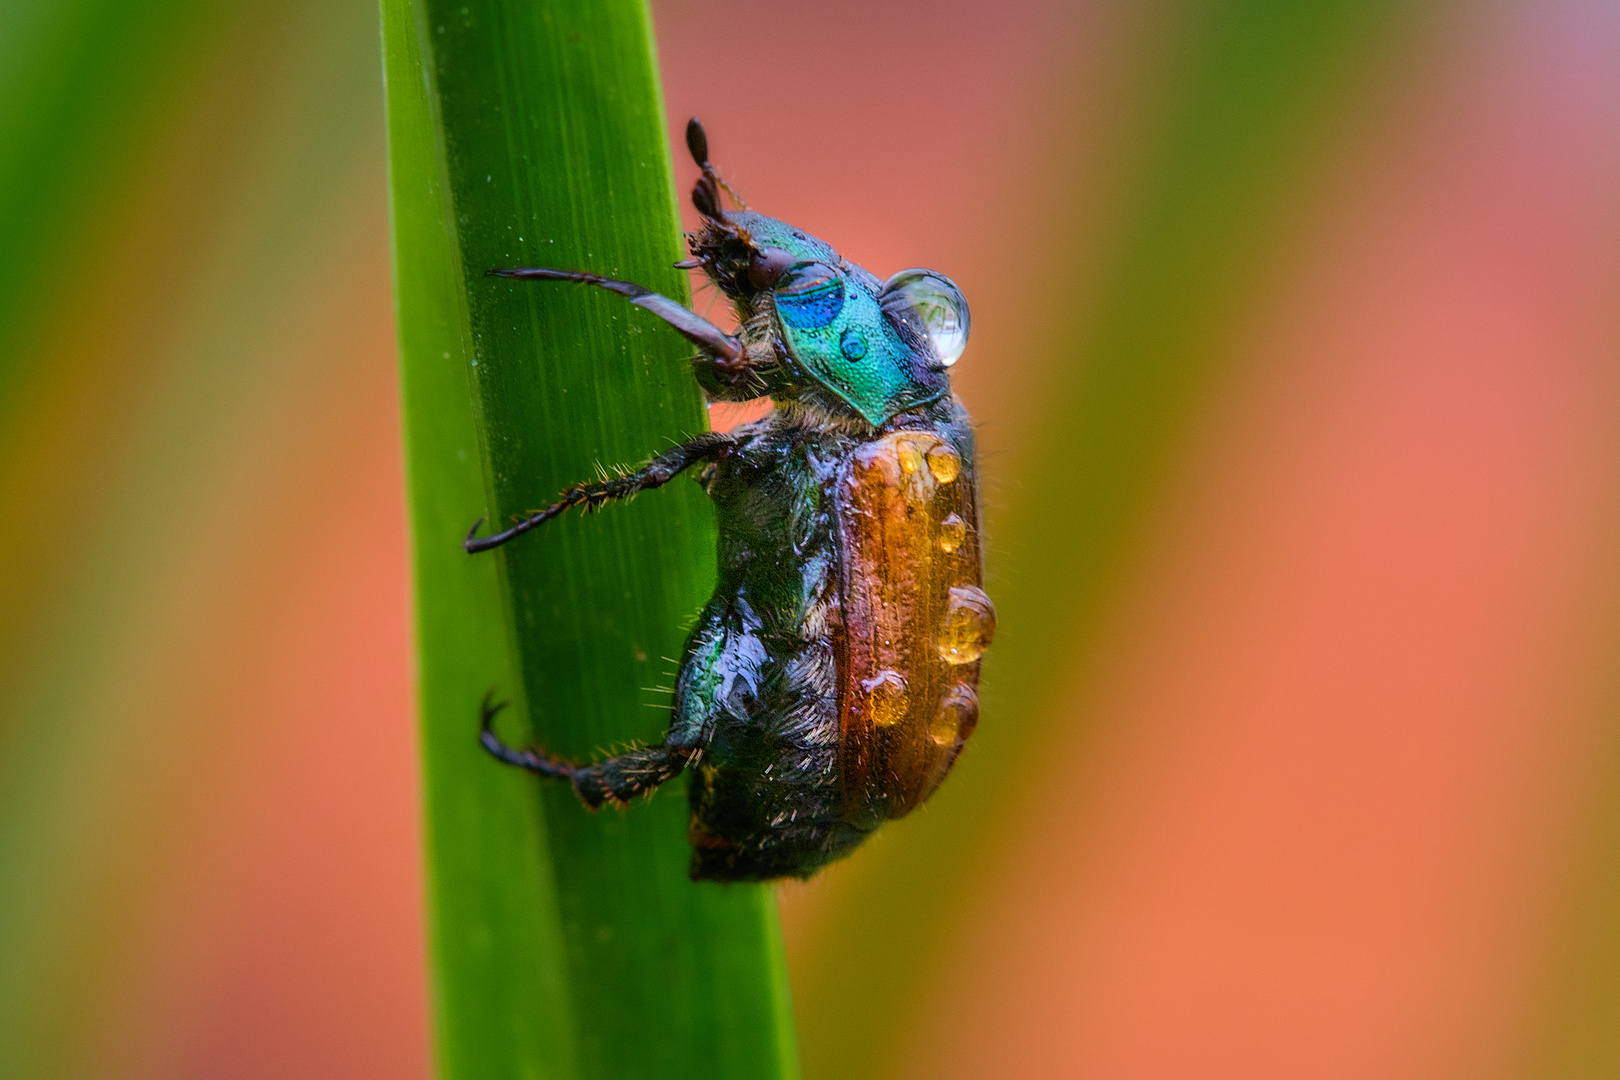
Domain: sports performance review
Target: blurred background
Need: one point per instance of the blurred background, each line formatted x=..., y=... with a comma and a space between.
x=1295, y=358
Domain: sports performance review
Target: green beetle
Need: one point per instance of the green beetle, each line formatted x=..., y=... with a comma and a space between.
x=830, y=682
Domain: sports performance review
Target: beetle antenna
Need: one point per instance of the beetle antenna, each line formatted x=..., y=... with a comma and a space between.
x=706, y=193
x=697, y=141
x=742, y=204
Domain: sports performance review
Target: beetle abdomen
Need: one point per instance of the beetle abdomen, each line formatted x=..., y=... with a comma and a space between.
x=915, y=618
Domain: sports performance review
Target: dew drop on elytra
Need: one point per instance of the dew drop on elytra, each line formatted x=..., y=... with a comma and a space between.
x=944, y=463
x=885, y=698
x=957, y=717
x=969, y=626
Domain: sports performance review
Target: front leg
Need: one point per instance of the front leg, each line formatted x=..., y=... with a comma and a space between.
x=726, y=365
x=725, y=349
x=655, y=473
x=617, y=779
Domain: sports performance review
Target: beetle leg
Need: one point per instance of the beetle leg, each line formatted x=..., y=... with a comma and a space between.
x=620, y=778
x=725, y=349
x=657, y=472
x=725, y=380
x=617, y=779
x=534, y=760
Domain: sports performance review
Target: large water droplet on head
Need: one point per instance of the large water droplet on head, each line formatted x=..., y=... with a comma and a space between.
x=809, y=296
x=969, y=625
x=932, y=305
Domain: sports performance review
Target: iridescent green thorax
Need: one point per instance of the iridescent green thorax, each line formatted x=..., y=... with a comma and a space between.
x=842, y=329
x=768, y=232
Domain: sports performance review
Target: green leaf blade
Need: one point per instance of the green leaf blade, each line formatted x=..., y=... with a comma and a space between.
x=566, y=943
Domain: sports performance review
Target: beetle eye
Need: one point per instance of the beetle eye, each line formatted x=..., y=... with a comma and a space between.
x=932, y=305
x=809, y=295
x=766, y=267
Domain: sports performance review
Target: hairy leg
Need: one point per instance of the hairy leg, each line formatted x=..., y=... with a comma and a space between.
x=617, y=779
x=655, y=473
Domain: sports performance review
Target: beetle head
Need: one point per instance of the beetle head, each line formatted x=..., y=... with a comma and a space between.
x=848, y=341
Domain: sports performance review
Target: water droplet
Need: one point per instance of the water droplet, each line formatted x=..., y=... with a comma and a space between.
x=944, y=463
x=957, y=717
x=933, y=305
x=952, y=531
x=969, y=626
x=885, y=698
x=853, y=344
x=910, y=459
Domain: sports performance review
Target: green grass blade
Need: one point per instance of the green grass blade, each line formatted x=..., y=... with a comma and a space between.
x=565, y=943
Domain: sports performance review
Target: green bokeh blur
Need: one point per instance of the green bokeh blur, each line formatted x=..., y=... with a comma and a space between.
x=1294, y=359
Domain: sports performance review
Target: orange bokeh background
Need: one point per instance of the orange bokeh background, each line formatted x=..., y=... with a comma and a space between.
x=1325, y=782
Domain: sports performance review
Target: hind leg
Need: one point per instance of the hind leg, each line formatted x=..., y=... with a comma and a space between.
x=617, y=779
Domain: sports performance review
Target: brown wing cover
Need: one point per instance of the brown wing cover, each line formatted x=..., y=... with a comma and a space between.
x=915, y=620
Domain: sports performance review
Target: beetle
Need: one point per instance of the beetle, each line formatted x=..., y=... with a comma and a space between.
x=831, y=681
